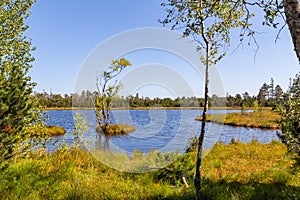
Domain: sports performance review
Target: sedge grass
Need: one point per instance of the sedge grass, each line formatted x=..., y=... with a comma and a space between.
x=235, y=171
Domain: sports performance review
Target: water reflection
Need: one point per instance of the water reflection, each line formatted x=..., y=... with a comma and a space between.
x=102, y=141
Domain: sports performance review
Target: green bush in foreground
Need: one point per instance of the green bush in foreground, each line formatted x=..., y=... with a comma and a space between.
x=290, y=119
x=18, y=110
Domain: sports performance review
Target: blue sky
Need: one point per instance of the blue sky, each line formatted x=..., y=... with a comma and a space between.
x=65, y=32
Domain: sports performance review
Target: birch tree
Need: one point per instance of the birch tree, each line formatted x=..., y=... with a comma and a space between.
x=292, y=13
x=209, y=23
x=107, y=89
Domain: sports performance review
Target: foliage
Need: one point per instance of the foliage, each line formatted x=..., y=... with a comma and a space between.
x=290, y=121
x=80, y=128
x=19, y=112
x=208, y=22
x=255, y=106
x=106, y=90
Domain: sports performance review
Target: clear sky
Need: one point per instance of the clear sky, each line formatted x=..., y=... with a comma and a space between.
x=65, y=32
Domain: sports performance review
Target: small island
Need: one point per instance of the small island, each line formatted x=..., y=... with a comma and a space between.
x=48, y=131
x=55, y=130
x=106, y=92
x=265, y=120
x=116, y=129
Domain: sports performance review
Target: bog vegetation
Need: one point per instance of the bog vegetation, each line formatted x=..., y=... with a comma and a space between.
x=263, y=119
x=229, y=172
x=235, y=171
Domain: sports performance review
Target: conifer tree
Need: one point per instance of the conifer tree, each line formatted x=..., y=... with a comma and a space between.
x=18, y=110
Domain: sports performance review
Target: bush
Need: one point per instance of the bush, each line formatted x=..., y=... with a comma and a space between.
x=290, y=119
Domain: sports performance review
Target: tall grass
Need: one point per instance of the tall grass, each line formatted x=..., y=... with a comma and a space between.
x=242, y=171
x=76, y=174
x=235, y=171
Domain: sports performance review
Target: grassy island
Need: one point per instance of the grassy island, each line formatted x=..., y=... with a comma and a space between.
x=47, y=131
x=267, y=119
x=55, y=130
x=117, y=129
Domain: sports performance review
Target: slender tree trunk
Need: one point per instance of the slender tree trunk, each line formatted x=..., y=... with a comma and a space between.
x=108, y=109
x=97, y=111
x=292, y=13
x=197, y=179
x=103, y=110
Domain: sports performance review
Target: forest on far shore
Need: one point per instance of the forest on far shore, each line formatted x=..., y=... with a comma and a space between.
x=268, y=95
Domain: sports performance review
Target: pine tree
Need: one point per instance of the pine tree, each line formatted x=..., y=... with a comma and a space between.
x=271, y=93
x=18, y=111
x=278, y=93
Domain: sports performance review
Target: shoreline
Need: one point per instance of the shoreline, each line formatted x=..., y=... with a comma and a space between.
x=157, y=108
x=274, y=127
x=262, y=120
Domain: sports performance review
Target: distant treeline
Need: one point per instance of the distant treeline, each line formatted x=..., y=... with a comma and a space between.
x=268, y=96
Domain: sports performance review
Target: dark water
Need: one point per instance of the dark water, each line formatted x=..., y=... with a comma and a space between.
x=166, y=130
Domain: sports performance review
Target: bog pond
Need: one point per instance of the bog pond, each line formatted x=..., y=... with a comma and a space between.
x=164, y=130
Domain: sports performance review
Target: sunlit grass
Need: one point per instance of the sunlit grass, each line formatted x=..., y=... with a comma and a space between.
x=244, y=163
x=265, y=119
x=116, y=129
x=55, y=130
x=76, y=174
x=242, y=171
x=138, y=162
x=46, y=131
x=250, y=171
x=235, y=171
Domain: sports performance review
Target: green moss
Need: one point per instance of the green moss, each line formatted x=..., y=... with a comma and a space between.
x=116, y=129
